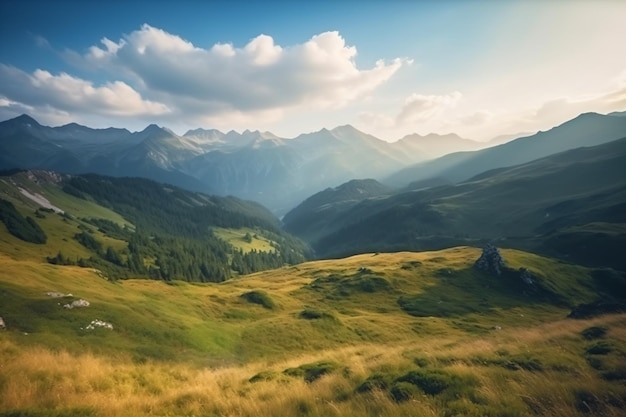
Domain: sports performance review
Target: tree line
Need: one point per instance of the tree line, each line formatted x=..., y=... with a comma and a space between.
x=172, y=236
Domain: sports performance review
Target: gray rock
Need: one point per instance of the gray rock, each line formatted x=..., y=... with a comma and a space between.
x=77, y=304
x=490, y=261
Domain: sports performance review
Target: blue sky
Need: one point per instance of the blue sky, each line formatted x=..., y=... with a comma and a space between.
x=390, y=68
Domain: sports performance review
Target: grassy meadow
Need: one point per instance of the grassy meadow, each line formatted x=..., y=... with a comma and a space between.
x=237, y=238
x=403, y=334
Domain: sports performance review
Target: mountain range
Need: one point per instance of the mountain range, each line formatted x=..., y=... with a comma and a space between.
x=587, y=129
x=277, y=172
x=549, y=192
x=570, y=204
x=159, y=292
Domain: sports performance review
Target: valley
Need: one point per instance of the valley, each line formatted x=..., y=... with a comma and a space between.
x=312, y=209
x=120, y=295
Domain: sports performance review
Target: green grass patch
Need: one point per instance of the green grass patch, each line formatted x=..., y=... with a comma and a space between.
x=311, y=372
x=311, y=314
x=264, y=376
x=246, y=239
x=336, y=286
x=259, y=297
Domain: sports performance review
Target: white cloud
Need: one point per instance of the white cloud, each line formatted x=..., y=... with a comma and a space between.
x=554, y=112
x=223, y=79
x=71, y=94
x=418, y=107
x=155, y=73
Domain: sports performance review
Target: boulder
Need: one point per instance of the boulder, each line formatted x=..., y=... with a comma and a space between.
x=490, y=261
x=77, y=304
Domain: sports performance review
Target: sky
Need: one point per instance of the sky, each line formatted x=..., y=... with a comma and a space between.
x=389, y=68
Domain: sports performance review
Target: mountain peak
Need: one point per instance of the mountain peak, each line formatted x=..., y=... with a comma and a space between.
x=152, y=129
x=24, y=119
x=346, y=128
x=202, y=132
x=432, y=136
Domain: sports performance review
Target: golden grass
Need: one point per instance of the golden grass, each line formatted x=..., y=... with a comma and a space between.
x=38, y=378
x=228, y=341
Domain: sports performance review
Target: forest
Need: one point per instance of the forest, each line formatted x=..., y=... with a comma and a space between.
x=172, y=238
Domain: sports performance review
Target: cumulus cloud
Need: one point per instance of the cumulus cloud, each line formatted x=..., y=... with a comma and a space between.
x=556, y=111
x=155, y=73
x=259, y=76
x=418, y=107
x=71, y=94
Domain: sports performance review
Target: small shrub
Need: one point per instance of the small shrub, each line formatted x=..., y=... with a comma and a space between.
x=377, y=381
x=431, y=382
x=403, y=391
x=421, y=362
x=259, y=297
x=312, y=371
x=309, y=314
x=595, y=362
x=435, y=382
x=594, y=332
x=263, y=376
x=615, y=375
x=600, y=348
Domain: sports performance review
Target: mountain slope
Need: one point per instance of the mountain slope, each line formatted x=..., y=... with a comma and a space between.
x=254, y=165
x=316, y=215
x=277, y=172
x=434, y=145
x=131, y=227
x=588, y=129
x=523, y=206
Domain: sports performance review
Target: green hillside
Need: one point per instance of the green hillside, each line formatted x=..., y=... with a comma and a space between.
x=377, y=334
x=130, y=227
x=374, y=334
x=548, y=205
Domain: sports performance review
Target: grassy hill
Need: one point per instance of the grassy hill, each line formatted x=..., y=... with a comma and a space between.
x=370, y=335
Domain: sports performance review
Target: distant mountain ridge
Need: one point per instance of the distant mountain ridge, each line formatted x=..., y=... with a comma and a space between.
x=279, y=172
x=261, y=166
x=587, y=129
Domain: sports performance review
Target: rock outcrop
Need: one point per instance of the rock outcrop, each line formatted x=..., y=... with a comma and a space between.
x=490, y=261
x=77, y=304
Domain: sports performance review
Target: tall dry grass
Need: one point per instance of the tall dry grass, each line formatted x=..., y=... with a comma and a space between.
x=40, y=380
